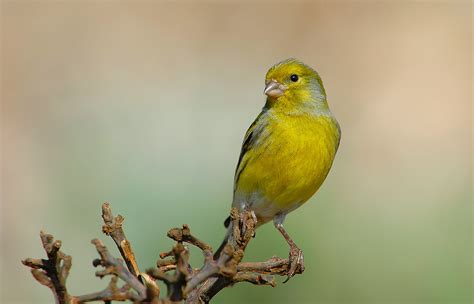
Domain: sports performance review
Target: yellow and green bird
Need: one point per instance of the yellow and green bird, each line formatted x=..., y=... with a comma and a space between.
x=288, y=150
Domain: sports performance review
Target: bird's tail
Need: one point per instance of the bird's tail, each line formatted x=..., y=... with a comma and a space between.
x=217, y=253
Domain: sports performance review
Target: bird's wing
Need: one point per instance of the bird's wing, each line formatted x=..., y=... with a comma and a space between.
x=251, y=137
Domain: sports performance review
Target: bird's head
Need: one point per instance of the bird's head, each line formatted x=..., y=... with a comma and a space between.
x=292, y=83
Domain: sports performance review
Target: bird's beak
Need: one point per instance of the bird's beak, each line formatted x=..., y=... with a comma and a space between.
x=274, y=89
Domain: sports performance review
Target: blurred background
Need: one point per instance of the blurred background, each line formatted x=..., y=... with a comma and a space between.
x=145, y=104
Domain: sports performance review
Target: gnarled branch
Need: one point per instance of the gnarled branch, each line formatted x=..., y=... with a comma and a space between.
x=54, y=271
x=183, y=282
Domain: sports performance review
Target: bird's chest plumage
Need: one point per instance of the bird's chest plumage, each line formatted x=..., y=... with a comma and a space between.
x=287, y=165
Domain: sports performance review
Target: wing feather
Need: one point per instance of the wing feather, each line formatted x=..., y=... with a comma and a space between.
x=251, y=137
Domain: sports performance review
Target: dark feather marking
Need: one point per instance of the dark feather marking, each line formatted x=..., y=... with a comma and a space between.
x=227, y=222
x=248, y=141
x=240, y=172
x=245, y=147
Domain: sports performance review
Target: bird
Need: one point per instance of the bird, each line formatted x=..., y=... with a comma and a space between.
x=287, y=151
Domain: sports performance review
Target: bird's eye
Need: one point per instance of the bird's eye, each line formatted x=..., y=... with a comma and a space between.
x=294, y=78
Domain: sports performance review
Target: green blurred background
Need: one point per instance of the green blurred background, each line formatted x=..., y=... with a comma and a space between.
x=144, y=105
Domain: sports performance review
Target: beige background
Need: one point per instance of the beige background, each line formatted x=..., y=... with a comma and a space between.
x=144, y=104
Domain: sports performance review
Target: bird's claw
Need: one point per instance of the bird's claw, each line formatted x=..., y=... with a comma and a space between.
x=242, y=220
x=254, y=217
x=296, y=260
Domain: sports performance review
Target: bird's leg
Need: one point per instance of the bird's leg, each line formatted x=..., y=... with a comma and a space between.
x=296, y=258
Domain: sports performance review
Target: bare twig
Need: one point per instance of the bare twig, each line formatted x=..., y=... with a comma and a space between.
x=177, y=281
x=54, y=271
x=243, y=229
x=183, y=283
x=116, y=267
x=166, y=265
x=113, y=227
x=275, y=265
x=254, y=278
x=111, y=293
x=184, y=235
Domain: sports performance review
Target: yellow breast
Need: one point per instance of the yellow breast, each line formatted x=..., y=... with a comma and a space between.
x=287, y=165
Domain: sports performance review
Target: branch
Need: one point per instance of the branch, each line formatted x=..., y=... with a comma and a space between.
x=177, y=281
x=113, y=228
x=114, y=266
x=183, y=282
x=254, y=278
x=243, y=229
x=111, y=293
x=275, y=265
x=54, y=271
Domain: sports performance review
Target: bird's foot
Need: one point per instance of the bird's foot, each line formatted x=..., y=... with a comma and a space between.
x=254, y=217
x=243, y=220
x=296, y=260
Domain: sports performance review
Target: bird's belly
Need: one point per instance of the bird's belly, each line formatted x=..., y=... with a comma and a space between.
x=284, y=174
